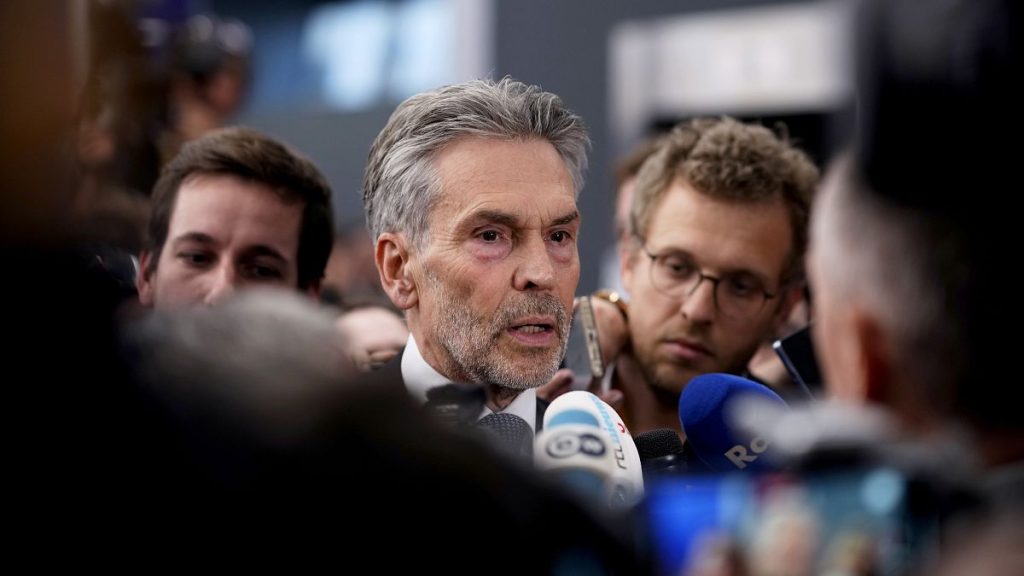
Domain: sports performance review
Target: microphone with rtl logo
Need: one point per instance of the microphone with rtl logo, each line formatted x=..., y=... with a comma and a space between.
x=709, y=411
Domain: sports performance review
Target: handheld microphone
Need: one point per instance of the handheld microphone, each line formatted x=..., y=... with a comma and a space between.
x=509, y=433
x=709, y=413
x=586, y=444
x=580, y=456
x=661, y=451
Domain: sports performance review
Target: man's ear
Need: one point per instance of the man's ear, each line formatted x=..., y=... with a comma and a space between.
x=143, y=280
x=395, y=269
x=884, y=384
x=863, y=359
x=627, y=262
x=790, y=297
x=875, y=361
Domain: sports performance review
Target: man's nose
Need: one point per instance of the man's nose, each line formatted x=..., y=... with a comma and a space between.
x=222, y=284
x=699, y=305
x=535, y=271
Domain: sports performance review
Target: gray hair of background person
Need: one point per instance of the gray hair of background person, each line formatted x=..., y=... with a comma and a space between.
x=400, y=185
x=272, y=356
x=732, y=161
x=910, y=270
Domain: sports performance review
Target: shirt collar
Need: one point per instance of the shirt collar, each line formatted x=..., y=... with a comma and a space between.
x=419, y=377
x=524, y=406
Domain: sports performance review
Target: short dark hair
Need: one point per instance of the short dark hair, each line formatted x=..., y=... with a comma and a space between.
x=629, y=165
x=253, y=156
x=627, y=168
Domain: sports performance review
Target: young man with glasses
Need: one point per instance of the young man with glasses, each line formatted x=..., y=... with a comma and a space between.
x=719, y=222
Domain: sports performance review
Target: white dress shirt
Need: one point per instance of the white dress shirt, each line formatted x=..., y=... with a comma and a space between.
x=420, y=377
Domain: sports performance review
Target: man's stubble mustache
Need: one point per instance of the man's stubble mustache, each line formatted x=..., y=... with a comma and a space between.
x=484, y=359
x=533, y=305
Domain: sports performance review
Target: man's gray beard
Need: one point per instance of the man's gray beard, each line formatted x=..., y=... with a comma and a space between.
x=472, y=341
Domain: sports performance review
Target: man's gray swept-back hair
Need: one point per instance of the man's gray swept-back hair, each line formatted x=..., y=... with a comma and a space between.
x=400, y=185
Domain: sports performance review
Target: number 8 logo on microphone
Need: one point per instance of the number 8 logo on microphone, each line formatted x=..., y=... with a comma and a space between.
x=568, y=443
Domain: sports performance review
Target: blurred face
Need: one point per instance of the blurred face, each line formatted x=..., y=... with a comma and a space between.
x=623, y=201
x=826, y=331
x=226, y=89
x=225, y=233
x=833, y=328
x=678, y=337
x=496, y=280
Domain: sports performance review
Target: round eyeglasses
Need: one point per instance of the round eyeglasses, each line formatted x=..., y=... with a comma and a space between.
x=737, y=295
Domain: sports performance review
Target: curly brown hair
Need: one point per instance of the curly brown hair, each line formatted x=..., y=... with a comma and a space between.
x=727, y=159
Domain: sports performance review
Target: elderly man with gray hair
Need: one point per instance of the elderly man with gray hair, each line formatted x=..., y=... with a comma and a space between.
x=470, y=195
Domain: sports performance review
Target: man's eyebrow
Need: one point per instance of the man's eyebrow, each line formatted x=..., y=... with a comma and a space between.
x=194, y=237
x=673, y=250
x=735, y=270
x=263, y=250
x=257, y=250
x=495, y=217
x=572, y=216
x=510, y=220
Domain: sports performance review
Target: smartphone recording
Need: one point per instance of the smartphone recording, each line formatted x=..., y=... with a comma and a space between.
x=583, y=353
x=797, y=354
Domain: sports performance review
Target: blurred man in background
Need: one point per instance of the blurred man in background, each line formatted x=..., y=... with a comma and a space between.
x=235, y=208
x=911, y=262
x=208, y=78
x=715, y=264
x=625, y=183
x=910, y=273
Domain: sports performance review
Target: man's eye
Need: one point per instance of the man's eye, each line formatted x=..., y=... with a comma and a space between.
x=743, y=287
x=678, y=266
x=490, y=235
x=264, y=273
x=195, y=258
x=560, y=236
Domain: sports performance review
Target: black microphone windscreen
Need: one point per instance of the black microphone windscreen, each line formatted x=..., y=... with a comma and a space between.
x=658, y=443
